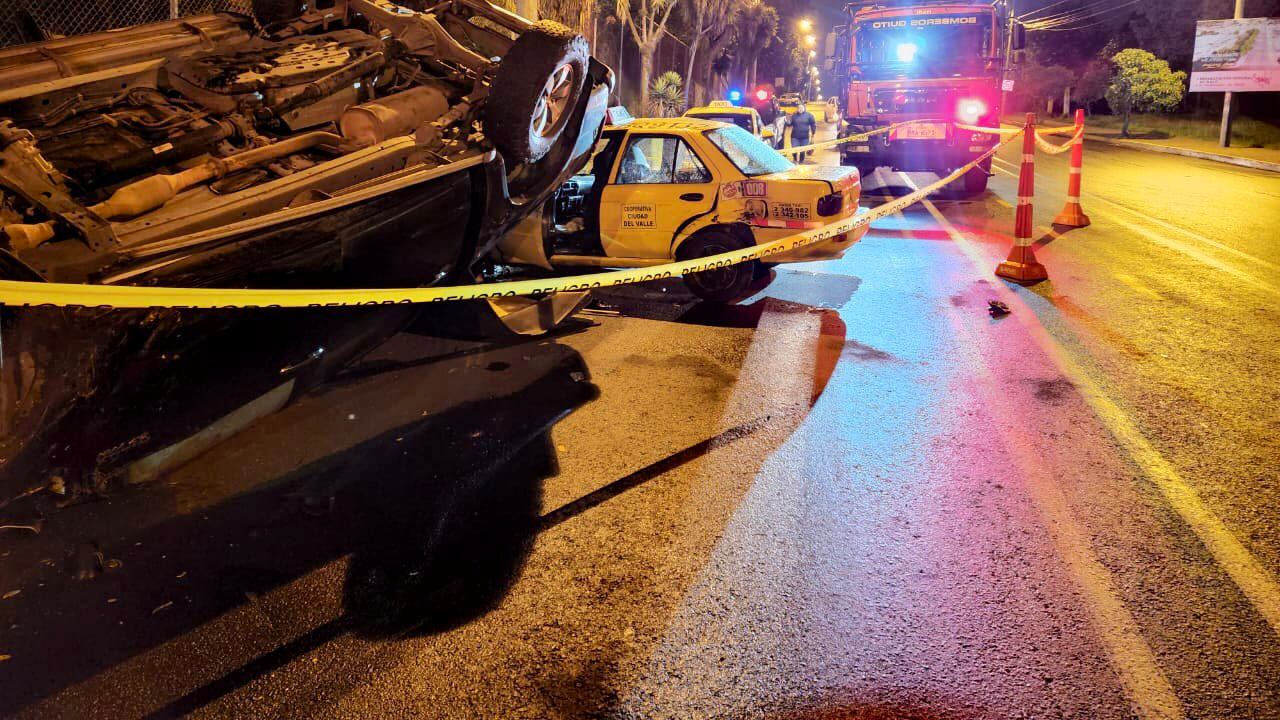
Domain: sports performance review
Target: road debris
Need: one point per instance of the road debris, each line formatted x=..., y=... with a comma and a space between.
x=997, y=308
x=85, y=561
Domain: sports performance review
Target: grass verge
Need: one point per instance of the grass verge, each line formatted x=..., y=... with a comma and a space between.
x=1245, y=132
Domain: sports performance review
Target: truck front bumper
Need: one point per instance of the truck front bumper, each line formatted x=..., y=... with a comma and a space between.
x=959, y=148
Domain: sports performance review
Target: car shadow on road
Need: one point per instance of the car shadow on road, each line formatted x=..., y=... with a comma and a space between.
x=784, y=291
x=1056, y=232
x=897, y=707
x=431, y=516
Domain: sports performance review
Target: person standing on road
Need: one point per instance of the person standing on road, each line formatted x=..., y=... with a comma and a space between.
x=803, y=126
x=779, y=122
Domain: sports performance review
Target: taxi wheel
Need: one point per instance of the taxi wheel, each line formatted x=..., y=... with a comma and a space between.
x=725, y=285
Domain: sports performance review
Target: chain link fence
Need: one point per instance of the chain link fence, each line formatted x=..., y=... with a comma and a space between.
x=23, y=21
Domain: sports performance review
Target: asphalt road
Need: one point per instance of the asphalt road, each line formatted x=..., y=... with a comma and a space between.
x=857, y=495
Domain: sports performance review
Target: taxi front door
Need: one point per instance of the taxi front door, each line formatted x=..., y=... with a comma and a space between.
x=659, y=183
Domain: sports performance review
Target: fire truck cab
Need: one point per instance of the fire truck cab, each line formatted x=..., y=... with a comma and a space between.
x=936, y=62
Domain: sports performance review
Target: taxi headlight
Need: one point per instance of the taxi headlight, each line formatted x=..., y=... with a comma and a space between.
x=831, y=204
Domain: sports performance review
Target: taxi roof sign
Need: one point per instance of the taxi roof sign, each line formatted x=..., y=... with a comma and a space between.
x=720, y=103
x=618, y=115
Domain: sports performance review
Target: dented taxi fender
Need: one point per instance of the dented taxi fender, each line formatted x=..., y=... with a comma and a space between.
x=771, y=206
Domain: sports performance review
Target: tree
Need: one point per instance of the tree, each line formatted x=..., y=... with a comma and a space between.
x=1091, y=84
x=666, y=97
x=648, y=22
x=719, y=37
x=705, y=16
x=1042, y=84
x=757, y=26
x=577, y=14
x=1142, y=81
x=1094, y=77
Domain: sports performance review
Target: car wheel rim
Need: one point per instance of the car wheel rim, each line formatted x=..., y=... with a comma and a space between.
x=720, y=278
x=553, y=103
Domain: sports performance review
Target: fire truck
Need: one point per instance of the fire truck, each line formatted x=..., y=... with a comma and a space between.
x=935, y=61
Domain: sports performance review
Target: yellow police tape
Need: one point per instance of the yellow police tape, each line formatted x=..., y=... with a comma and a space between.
x=848, y=138
x=1051, y=149
x=22, y=293
x=1011, y=131
x=1002, y=132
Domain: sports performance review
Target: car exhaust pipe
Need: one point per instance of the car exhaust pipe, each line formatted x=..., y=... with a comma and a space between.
x=150, y=193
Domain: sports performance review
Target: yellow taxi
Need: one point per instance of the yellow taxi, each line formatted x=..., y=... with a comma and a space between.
x=666, y=189
x=790, y=103
x=744, y=117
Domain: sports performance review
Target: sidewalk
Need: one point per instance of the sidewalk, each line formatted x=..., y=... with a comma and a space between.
x=1260, y=158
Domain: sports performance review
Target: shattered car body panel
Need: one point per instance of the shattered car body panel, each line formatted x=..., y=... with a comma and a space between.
x=364, y=145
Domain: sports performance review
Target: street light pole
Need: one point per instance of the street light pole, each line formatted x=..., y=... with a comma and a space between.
x=1224, y=132
x=808, y=41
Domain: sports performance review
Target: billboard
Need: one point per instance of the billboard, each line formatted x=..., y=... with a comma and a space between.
x=1239, y=55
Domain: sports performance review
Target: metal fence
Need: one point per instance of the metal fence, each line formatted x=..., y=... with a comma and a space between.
x=27, y=20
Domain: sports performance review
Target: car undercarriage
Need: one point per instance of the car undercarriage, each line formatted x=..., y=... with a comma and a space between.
x=359, y=143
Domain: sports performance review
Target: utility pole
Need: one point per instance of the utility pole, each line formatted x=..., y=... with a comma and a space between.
x=1008, y=57
x=1224, y=133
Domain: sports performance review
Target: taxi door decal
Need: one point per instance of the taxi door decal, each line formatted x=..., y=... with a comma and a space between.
x=639, y=216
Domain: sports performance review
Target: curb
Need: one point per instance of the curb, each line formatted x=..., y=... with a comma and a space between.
x=1169, y=150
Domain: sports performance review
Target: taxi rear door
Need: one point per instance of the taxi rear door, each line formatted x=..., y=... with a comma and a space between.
x=659, y=183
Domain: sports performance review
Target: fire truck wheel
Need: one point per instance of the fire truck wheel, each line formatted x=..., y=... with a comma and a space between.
x=975, y=181
x=725, y=285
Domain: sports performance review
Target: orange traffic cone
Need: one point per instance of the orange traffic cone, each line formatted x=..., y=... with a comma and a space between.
x=1072, y=214
x=1022, y=266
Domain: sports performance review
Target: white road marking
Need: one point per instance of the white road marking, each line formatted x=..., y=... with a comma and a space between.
x=1180, y=247
x=1134, y=284
x=1144, y=682
x=1253, y=579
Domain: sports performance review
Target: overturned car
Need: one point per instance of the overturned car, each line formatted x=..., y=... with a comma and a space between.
x=358, y=143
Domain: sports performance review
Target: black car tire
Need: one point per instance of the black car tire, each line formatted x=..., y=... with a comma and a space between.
x=533, y=71
x=273, y=12
x=726, y=285
x=975, y=181
x=970, y=185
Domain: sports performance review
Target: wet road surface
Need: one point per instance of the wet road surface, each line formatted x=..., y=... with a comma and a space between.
x=857, y=495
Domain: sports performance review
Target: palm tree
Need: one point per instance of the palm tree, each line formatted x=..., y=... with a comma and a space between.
x=666, y=97
x=757, y=26
x=648, y=22
x=707, y=23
